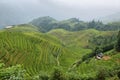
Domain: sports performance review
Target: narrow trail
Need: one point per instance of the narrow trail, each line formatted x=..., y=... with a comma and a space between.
x=57, y=60
x=77, y=63
x=106, y=58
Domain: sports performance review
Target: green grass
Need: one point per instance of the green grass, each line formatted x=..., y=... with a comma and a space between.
x=24, y=28
x=24, y=44
x=78, y=44
x=31, y=51
x=78, y=38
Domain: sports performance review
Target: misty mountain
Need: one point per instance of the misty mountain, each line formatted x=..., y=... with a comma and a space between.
x=22, y=11
x=47, y=23
x=111, y=18
x=44, y=23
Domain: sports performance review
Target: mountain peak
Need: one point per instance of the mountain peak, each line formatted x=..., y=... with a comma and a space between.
x=111, y=18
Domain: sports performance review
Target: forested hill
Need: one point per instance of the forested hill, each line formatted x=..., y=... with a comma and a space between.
x=68, y=47
x=46, y=24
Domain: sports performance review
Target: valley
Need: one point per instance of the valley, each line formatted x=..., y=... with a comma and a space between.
x=60, y=53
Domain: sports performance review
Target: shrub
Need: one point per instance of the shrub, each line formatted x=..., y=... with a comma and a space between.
x=88, y=78
x=102, y=74
x=117, y=47
x=57, y=74
x=43, y=76
x=118, y=74
x=73, y=76
x=12, y=73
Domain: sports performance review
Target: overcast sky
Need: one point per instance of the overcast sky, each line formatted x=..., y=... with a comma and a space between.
x=24, y=10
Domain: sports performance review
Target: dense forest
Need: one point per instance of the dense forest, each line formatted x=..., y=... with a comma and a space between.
x=46, y=24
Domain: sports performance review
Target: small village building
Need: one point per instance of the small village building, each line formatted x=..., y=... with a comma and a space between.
x=99, y=56
x=7, y=27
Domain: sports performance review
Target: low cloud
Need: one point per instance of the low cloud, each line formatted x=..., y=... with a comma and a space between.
x=19, y=11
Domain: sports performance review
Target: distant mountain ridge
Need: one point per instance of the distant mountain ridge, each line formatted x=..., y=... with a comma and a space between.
x=111, y=18
x=47, y=23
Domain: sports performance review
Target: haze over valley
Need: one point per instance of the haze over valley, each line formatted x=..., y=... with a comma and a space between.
x=23, y=11
x=59, y=40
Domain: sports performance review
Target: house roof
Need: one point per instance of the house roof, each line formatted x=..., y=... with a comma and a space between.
x=8, y=26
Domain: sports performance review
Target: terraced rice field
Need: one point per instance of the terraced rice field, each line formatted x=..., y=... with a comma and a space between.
x=34, y=53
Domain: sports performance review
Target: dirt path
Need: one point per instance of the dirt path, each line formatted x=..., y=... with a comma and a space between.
x=106, y=58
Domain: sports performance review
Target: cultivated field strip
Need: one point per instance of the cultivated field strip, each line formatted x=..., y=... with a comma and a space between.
x=34, y=53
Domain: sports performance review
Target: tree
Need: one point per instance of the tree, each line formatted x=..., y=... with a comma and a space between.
x=57, y=74
x=12, y=73
x=92, y=24
x=97, y=50
x=117, y=47
x=102, y=74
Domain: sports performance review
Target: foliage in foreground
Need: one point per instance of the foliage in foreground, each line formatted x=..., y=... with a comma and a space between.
x=18, y=73
x=12, y=73
x=59, y=74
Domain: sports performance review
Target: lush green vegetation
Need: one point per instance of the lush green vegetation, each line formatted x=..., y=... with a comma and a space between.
x=29, y=49
x=46, y=24
x=66, y=52
x=12, y=73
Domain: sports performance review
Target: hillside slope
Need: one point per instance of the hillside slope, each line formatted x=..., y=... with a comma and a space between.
x=36, y=51
x=82, y=43
x=81, y=38
x=32, y=49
